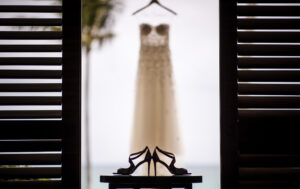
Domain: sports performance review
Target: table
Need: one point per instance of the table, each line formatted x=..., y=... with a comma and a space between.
x=137, y=182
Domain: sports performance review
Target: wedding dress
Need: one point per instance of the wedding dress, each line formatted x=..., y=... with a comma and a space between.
x=155, y=119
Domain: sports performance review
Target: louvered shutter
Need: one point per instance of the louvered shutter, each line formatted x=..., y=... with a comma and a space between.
x=268, y=93
x=40, y=62
x=260, y=139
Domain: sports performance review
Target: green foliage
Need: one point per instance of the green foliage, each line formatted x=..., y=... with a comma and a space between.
x=97, y=19
x=22, y=166
x=8, y=166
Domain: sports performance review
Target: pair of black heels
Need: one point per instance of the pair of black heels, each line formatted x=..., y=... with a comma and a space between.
x=172, y=169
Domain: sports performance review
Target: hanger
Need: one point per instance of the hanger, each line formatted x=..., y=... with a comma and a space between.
x=158, y=3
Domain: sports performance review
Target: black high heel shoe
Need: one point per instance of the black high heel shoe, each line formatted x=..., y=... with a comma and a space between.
x=174, y=170
x=132, y=167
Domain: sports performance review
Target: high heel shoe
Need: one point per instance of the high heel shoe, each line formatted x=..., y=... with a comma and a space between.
x=132, y=167
x=174, y=170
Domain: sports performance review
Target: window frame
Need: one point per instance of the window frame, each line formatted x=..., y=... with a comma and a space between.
x=71, y=97
x=228, y=95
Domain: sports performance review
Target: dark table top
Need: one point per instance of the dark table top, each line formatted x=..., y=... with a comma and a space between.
x=184, y=179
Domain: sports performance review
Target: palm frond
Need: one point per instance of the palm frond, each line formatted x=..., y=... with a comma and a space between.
x=97, y=18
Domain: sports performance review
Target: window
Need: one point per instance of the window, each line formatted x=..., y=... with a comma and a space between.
x=114, y=73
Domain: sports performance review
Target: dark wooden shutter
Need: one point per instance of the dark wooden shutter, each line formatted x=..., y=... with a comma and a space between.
x=268, y=94
x=267, y=62
x=40, y=63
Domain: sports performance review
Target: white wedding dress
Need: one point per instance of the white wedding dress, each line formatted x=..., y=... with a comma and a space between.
x=155, y=119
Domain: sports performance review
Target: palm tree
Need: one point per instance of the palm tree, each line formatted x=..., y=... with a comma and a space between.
x=96, y=26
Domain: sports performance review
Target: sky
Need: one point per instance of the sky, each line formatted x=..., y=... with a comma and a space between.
x=194, y=45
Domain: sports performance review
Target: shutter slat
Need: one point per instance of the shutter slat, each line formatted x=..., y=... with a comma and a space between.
x=268, y=62
x=31, y=129
x=30, y=21
x=268, y=49
x=263, y=135
x=30, y=87
x=30, y=35
x=24, y=100
x=269, y=88
x=29, y=145
x=268, y=184
x=269, y=173
x=269, y=160
x=30, y=48
x=265, y=10
x=269, y=101
x=30, y=159
x=31, y=184
x=30, y=73
x=268, y=75
x=268, y=113
x=260, y=23
x=268, y=36
x=30, y=8
x=30, y=61
x=30, y=172
x=268, y=1
x=29, y=114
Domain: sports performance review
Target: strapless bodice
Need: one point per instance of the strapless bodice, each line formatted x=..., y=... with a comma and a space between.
x=154, y=35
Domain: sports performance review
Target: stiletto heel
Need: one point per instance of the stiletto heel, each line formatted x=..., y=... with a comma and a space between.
x=172, y=169
x=132, y=167
x=149, y=167
x=155, y=168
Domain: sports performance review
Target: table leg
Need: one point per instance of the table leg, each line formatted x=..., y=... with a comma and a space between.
x=112, y=186
x=188, y=186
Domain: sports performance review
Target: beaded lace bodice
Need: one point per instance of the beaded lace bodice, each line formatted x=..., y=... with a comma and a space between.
x=154, y=51
x=154, y=36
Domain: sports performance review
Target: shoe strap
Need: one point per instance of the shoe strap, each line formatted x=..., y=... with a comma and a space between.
x=138, y=154
x=169, y=154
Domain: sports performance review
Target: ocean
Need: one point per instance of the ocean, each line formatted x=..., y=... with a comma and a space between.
x=211, y=176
